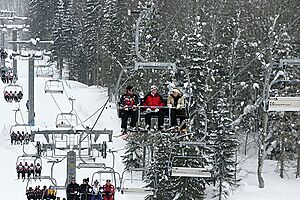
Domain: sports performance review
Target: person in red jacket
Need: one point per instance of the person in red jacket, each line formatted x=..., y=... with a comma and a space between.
x=108, y=191
x=153, y=101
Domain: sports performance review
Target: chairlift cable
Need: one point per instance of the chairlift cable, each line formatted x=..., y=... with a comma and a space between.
x=81, y=123
x=100, y=114
x=55, y=99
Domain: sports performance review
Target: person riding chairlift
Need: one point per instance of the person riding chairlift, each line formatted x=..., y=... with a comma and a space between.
x=129, y=102
x=152, y=102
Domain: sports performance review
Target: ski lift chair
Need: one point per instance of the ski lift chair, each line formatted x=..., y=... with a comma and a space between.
x=66, y=120
x=133, y=183
x=13, y=88
x=48, y=181
x=44, y=71
x=29, y=158
x=194, y=165
x=54, y=86
x=108, y=173
x=285, y=103
x=153, y=66
x=21, y=128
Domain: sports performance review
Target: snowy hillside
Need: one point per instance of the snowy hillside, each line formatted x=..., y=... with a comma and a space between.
x=88, y=100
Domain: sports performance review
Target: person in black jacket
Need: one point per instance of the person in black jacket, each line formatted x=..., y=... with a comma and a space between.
x=30, y=194
x=85, y=190
x=129, y=102
x=73, y=190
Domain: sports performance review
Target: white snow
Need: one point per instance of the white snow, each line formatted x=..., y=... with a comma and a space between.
x=88, y=100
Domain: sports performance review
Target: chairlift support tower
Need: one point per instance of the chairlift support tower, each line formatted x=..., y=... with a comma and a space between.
x=10, y=16
x=74, y=152
x=31, y=57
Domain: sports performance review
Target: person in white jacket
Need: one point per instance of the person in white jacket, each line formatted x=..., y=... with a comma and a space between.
x=96, y=191
x=176, y=103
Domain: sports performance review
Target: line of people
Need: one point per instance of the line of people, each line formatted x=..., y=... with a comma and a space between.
x=20, y=138
x=154, y=105
x=41, y=194
x=29, y=171
x=88, y=192
x=10, y=96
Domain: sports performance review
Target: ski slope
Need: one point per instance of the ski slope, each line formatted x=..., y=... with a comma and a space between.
x=47, y=107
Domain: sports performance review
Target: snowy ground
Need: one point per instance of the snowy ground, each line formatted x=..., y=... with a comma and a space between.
x=88, y=100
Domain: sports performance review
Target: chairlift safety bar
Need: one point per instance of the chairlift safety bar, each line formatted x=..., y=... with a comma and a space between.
x=91, y=165
x=283, y=62
x=191, y=172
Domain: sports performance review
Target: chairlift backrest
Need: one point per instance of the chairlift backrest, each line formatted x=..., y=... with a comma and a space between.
x=44, y=71
x=66, y=120
x=54, y=86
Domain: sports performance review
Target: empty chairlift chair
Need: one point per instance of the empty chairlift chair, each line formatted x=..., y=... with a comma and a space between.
x=44, y=71
x=132, y=182
x=66, y=120
x=185, y=165
x=54, y=86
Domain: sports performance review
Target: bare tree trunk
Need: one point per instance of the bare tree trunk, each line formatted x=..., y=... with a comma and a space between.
x=262, y=142
x=281, y=158
x=298, y=161
x=282, y=147
x=220, y=189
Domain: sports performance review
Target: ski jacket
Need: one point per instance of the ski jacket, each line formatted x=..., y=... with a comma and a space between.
x=72, y=188
x=96, y=190
x=129, y=100
x=177, y=102
x=84, y=188
x=19, y=167
x=153, y=101
x=108, y=189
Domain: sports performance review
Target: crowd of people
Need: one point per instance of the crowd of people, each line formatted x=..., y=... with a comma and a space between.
x=20, y=138
x=13, y=96
x=154, y=105
x=41, y=194
x=28, y=170
x=87, y=192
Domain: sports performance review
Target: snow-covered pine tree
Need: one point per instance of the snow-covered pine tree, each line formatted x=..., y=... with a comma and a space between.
x=41, y=14
x=134, y=155
x=90, y=41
